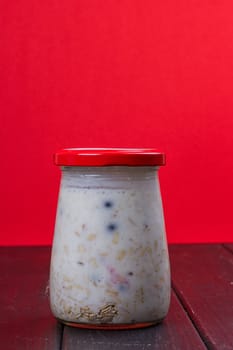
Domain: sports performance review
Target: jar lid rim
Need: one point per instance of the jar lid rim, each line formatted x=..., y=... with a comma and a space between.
x=109, y=157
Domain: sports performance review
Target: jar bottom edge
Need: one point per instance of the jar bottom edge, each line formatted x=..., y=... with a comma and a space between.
x=106, y=326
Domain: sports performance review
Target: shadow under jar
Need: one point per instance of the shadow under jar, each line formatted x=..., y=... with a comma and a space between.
x=109, y=264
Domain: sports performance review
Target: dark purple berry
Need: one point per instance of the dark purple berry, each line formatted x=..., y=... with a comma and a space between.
x=112, y=227
x=108, y=204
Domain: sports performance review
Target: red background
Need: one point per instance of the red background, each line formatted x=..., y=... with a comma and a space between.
x=105, y=73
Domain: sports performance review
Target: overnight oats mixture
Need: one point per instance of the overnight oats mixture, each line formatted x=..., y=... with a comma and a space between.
x=109, y=260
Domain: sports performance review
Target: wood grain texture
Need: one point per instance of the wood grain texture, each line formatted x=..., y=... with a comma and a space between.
x=176, y=332
x=228, y=246
x=26, y=322
x=203, y=279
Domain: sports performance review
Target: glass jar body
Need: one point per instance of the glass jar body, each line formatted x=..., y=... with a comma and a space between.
x=109, y=264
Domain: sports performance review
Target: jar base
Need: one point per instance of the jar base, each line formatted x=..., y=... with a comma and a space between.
x=106, y=326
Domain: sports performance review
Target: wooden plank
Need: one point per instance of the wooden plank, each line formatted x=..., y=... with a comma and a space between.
x=176, y=332
x=229, y=246
x=203, y=278
x=25, y=320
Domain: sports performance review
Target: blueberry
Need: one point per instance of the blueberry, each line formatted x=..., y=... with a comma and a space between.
x=108, y=204
x=112, y=227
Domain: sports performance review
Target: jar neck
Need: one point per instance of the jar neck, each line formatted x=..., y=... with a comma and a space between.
x=109, y=175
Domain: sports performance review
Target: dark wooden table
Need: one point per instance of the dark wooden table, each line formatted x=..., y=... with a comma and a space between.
x=200, y=316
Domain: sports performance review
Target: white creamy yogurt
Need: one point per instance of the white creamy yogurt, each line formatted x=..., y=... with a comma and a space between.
x=109, y=260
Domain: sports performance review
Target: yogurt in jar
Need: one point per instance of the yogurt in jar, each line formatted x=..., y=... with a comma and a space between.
x=109, y=263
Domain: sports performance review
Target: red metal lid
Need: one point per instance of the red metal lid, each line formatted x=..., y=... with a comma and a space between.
x=109, y=157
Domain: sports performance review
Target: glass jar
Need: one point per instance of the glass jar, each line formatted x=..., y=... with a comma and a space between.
x=109, y=263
